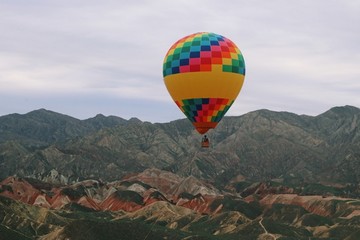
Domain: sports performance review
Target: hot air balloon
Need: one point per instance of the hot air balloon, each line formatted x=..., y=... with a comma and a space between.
x=204, y=73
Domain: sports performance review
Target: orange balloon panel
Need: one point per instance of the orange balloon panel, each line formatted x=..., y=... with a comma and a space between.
x=204, y=73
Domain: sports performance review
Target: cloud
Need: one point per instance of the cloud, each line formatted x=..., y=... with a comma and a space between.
x=300, y=56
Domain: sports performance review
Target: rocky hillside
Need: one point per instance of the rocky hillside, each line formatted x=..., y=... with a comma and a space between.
x=43, y=127
x=258, y=146
x=157, y=204
x=267, y=175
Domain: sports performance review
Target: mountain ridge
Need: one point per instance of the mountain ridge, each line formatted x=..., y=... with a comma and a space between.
x=260, y=145
x=42, y=127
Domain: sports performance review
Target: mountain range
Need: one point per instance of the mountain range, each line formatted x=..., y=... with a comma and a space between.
x=266, y=175
x=258, y=146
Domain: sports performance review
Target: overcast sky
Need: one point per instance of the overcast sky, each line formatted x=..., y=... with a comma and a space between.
x=84, y=57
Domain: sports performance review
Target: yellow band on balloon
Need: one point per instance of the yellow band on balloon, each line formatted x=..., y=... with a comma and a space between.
x=214, y=84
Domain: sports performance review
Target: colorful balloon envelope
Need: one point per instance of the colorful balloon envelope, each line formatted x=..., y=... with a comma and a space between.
x=204, y=73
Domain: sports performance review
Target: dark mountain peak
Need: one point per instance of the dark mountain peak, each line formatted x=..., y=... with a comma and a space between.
x=41, y=127
x=265, y=119
x=270, y=114
x=276, y=114
x=100, y=116
x=46, y=127
x=47, y=115
x=101, y=121
x=340, y=125
x=135, y=120
x=42, y=111
x=344, y=111
x=338, y=115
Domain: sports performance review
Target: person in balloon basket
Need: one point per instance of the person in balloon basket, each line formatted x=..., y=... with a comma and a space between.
x=205, y=142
